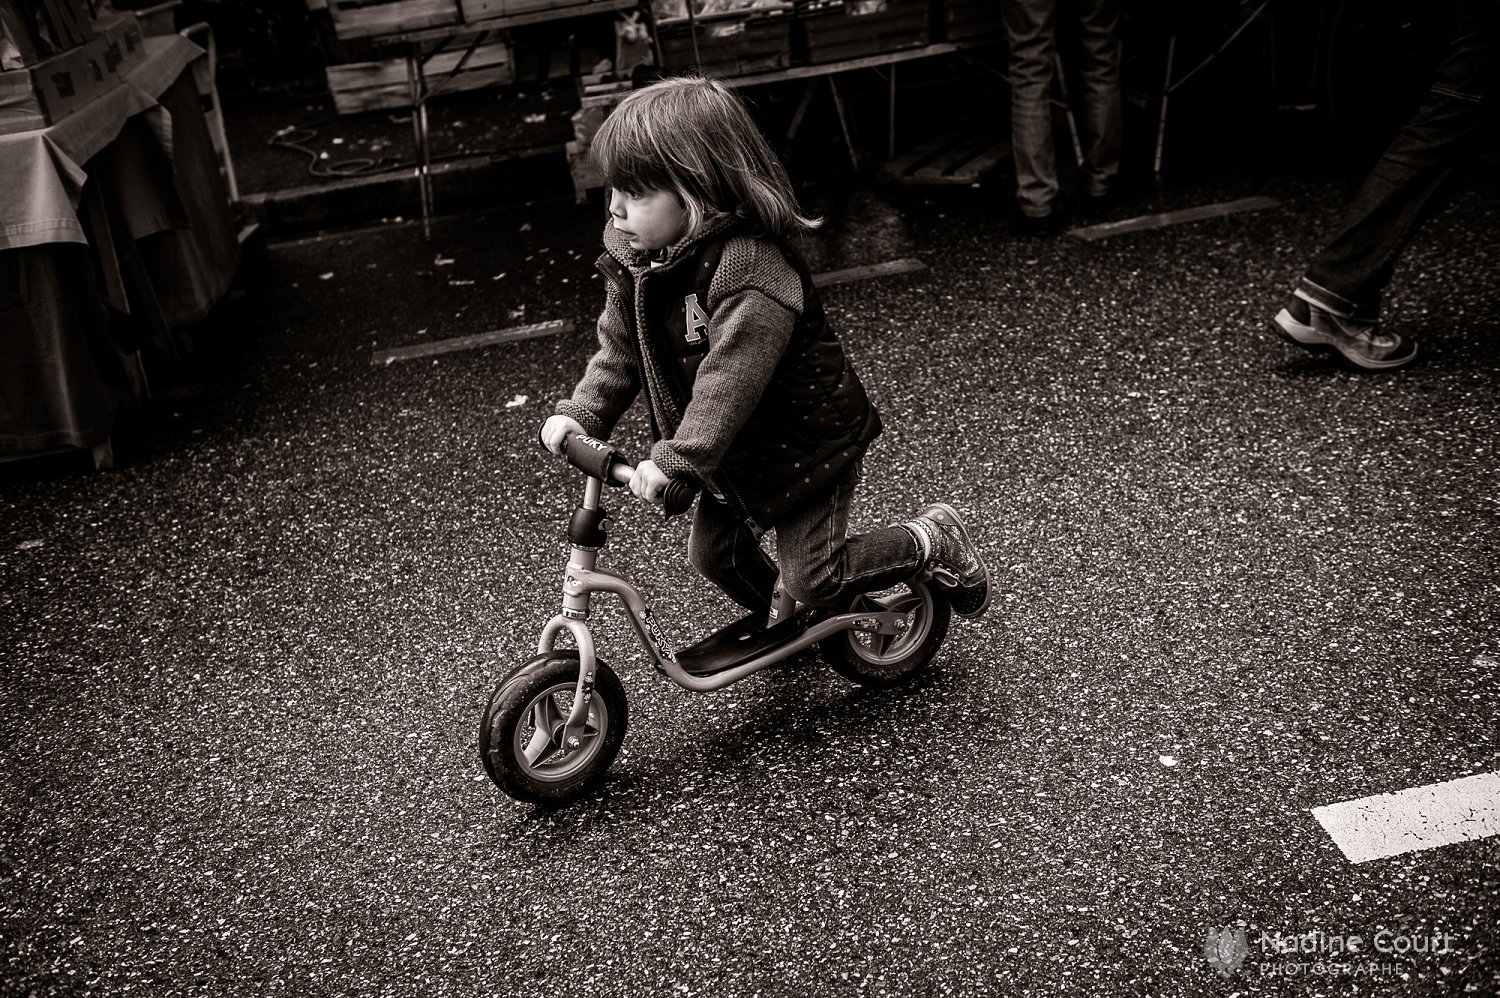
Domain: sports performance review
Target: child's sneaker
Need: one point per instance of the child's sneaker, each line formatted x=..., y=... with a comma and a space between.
x=950, y=557
x=1309, y=325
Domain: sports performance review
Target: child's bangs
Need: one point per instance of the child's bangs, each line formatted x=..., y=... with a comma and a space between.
x=627, y=159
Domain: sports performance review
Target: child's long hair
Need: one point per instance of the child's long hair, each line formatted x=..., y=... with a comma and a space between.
x=692, y=136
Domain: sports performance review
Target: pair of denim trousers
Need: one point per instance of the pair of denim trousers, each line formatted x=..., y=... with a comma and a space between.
x=1408, y=184
x=820, y=563
x=1032, y=28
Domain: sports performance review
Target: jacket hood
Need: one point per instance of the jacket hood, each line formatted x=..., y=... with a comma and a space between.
x=619, y=247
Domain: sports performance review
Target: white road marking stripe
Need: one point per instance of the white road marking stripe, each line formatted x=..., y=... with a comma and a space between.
x=1104, y=230
x=1439, y=814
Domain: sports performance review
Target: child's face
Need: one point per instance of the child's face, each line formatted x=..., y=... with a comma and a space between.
x=649, y=219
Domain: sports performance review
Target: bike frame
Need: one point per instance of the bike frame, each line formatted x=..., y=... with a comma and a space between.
x=584, y=578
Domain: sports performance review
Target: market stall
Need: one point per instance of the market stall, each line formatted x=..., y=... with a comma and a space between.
x=115, y=225
x=430, y=47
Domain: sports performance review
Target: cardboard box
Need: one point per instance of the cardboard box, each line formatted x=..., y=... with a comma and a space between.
x=125, y=42
x=46, y=93
x=161, y=19
x=834, y=30
x=733, y=44
x=20, y=108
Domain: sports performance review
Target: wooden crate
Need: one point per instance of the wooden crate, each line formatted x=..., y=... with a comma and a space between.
x=363, y=18
x=385, y=83
x=833, y=30
x=477, y=10
x=964, y=20
x=730, y=44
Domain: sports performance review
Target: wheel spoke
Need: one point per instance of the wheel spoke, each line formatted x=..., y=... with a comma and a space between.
x=545, y=715
x=545, y=719
x=539, y=746
x=899, y=602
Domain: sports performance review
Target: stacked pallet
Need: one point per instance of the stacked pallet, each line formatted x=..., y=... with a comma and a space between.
x=58, y=55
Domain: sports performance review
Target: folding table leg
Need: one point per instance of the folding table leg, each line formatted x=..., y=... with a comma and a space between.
x=417, y=82
x=838, y=105
x=801, y=112
x=1166, y=95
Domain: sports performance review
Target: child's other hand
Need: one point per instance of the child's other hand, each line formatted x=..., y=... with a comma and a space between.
x=557, y=429
x=648, y=481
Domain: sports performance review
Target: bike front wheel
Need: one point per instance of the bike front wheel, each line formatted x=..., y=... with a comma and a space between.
x=522, y=738
x=885, y=660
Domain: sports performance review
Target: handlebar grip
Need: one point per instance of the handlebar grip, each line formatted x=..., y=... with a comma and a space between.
x=677, y=497
x=595, y=458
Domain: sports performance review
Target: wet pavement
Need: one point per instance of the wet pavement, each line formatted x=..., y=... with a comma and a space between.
x=1236, y=582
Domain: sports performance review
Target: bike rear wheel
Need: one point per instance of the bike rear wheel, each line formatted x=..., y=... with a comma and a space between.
x=521, y=738
x=886, y=660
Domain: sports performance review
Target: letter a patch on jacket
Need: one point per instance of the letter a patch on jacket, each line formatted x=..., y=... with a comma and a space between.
x=697, y=322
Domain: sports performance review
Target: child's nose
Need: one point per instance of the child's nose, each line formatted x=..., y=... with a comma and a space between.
x=616, y=204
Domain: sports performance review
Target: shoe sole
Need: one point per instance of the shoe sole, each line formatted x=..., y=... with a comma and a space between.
x=1308, y=338
x=989, y=590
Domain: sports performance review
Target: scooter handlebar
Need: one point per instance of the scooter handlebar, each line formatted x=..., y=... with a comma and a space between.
x=601, y=459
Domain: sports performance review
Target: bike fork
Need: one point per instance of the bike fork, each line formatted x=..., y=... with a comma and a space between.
x=584, y=639
x=587, y=526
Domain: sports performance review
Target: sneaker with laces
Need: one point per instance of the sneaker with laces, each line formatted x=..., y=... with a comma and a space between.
x=950, y=557
x=1360, y=342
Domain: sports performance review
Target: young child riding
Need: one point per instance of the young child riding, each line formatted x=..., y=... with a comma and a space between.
x=712, y=315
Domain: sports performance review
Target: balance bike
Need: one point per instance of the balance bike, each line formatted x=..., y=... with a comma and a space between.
x=554, y=724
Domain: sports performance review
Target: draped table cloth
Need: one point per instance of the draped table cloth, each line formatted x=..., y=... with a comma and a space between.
x=115, y=229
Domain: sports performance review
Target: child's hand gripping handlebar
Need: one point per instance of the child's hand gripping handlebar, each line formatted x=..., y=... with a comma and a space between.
x=602, y=460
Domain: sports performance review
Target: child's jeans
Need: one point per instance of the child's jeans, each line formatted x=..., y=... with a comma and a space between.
x=819, y=563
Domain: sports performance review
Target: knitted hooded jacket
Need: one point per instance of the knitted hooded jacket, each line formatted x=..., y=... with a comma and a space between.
x=771, y=413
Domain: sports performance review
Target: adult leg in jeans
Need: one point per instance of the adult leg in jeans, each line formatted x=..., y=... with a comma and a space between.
x=820, y=564
x=1406, y=186
x=728, y=554
x=1029, y=27
x=1098, y=93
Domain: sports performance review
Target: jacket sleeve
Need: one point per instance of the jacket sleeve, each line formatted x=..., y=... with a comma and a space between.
x=754, y=301
x=611, y=381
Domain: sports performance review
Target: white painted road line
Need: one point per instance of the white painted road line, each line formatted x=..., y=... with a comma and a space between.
x=1410, y=820
x=1104, y=230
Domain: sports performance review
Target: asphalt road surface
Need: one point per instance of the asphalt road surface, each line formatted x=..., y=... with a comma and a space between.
x=1235, y=583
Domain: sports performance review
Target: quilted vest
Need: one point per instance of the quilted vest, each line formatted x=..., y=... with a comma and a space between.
x=814, y=419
